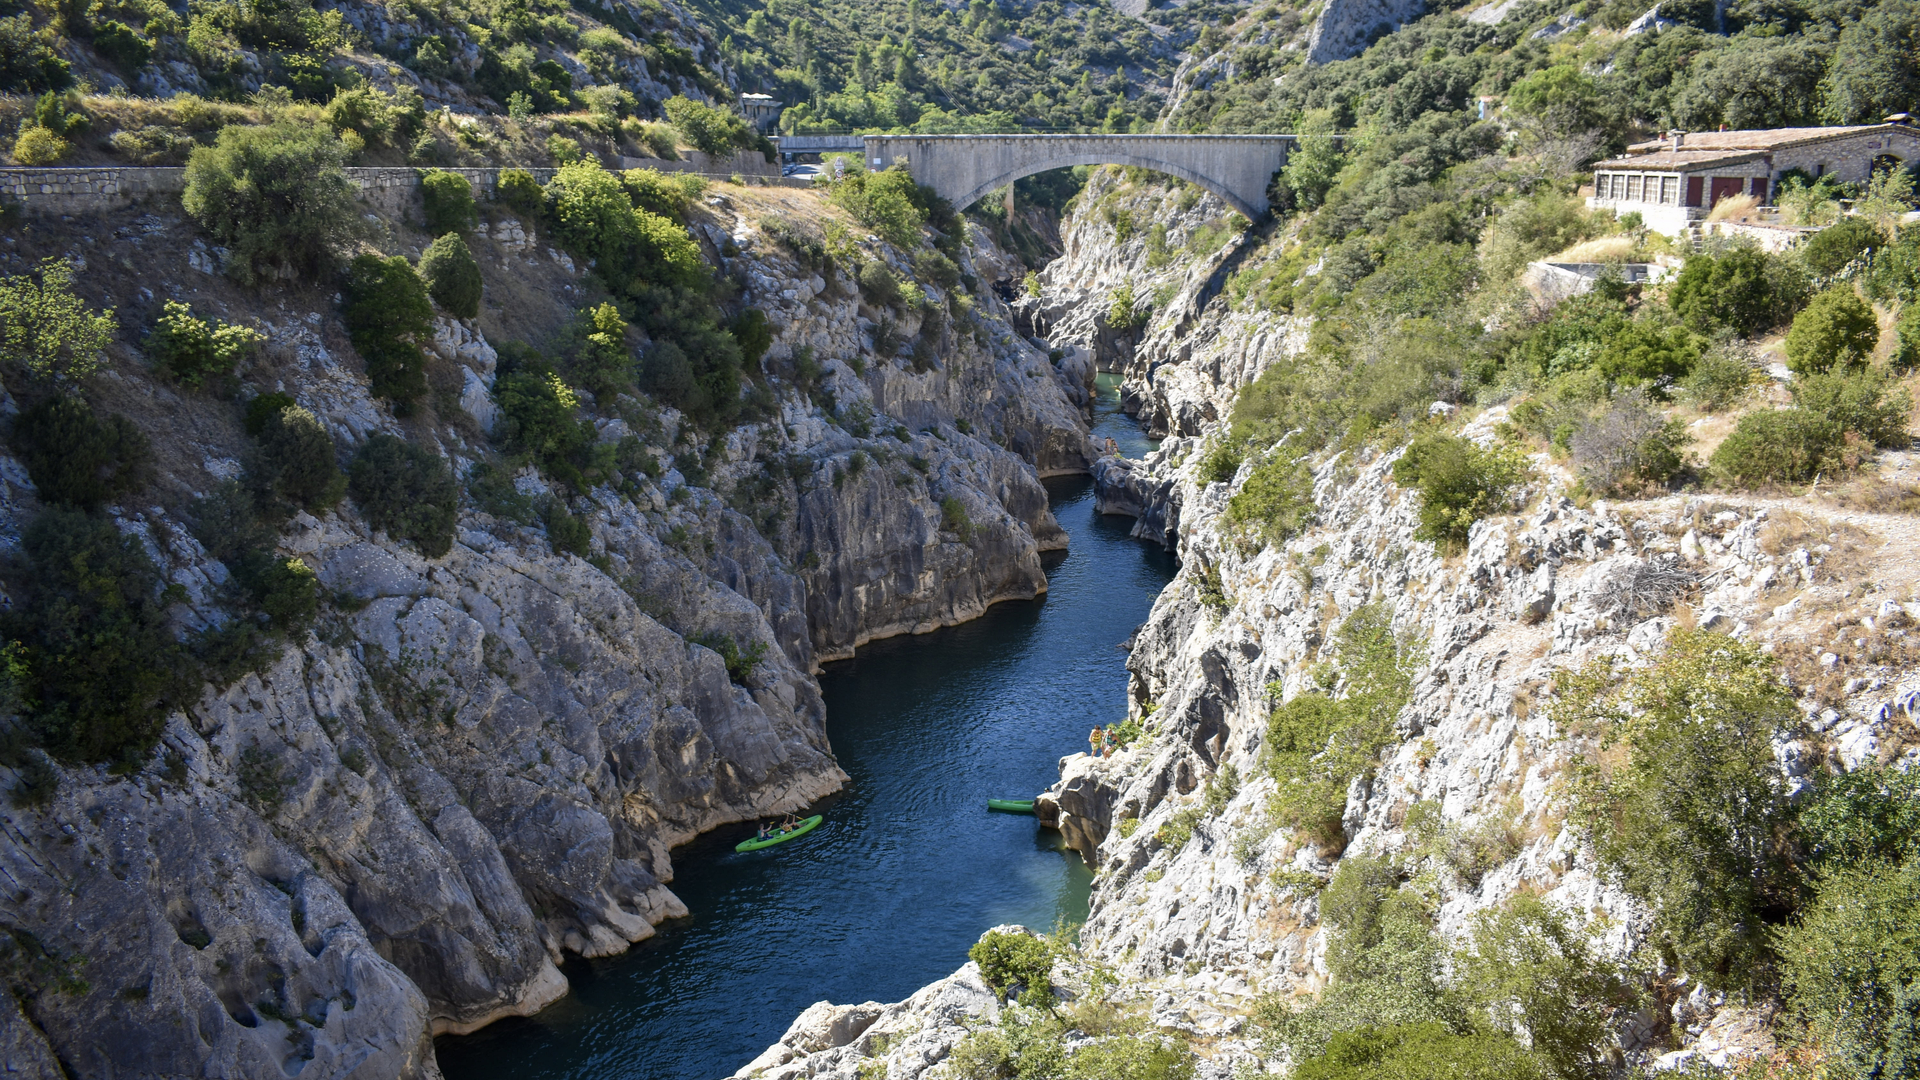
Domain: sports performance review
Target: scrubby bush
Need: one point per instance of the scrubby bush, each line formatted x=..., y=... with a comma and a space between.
x=76, y=458
x=754, y=334
x=48, y=334
x=1722, y=378
x=289, y=594
x=1629, y=449
x=1646, y=355
x=935, y=268
x=1866, y=404
x=275, y=196
x=448, y=199
x=193, y=350
x=594, y=217
x=892, y=205
x=1906, y=350
x=1276, y=502
x=740, y=662
x=1851, y=968
x=385, y=306
x=710, y=130
x=538, y=422
x=1742, y=289
x=1459, y=484
x=37, y=146
x=666, y=194
x=294, y=465
x=1421, y=1050
x=452, y=276
x=1836, y=328
x=102, y=666
x=393, y=119
x=520, y=192
x=1777, y=446
x=1688, y=813
x=27, y=60
x=407, y=490
x=1318, y=744
x=1828, y=251
x=566, y=534
x=879, y=284
x=1009, y=959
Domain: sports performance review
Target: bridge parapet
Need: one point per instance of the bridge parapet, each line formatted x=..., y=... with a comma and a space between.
x=963, y=168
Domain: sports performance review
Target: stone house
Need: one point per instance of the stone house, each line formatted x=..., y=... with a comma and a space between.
x=1674, y=181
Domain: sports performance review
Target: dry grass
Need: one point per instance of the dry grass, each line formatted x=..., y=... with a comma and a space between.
x=1605, y=249
x=1873, y=495
x=1736, y=208
x=1848, y=550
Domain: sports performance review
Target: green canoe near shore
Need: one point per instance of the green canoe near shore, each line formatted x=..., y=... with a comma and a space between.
x=1011, y=806
x=806, y=826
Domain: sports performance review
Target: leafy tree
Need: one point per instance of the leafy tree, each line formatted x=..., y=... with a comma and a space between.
x=385, y=306
x=540, y=425
x=1459, y=484
x=407, y=490
x=1559, y=99
x=1754, y=83
x=275, y=196
x=1873, y=74
x=1007, y=960
x=709, y=130
x=594, y=217
x=1836, y=328
x=602, y=363
x=103, y=667
x=1851, y=967
x=452, y=276
x=47, y=333
x=77, y=459
x=1686, y=804
x=448, y=200
x=192, y=349
x=27, y=60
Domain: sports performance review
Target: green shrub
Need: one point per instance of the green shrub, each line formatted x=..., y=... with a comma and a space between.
x=1276, y=502
x=755, y=335
x=520, y=192
x=594, y=217
x=1835, y=328
x=193, y=350
x=294, y=465
x=1722, y=378
x=452, y=276
x=666, y=194
x=1743, y=289
x=601, y=362
x=935, y=268
x=1906, y=351
x=385, y=306
x=879, y=284
x=707, y=129
x=1645, y=355
x=1009, y=959
x=76, y=458
x=1688, y=811
x=122, y=45
x=36, y=146
x=1424, y=1051
x=1867, y=404
x=1777, y=446
x=1459, y=484
x=740, y=662
x=102, y=666
x=1317, y=744
x=1221, y=462
x=448, y=199
x=1871, y=814
x=377, y=117
x=289, y=593
x=1529, y=968
x=48, y=334
x=1828, y=251
x=892, y=205
x=407, y=490
x=263, y=411
x=275, y=196
x=566, y=534
x=538, y=423
x=954, y=519
x=563, y=150
x=1851, y=968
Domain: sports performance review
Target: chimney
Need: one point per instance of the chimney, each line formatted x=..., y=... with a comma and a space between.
x=1679, y=138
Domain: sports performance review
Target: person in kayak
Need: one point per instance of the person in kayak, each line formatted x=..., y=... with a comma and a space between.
x=763, y=831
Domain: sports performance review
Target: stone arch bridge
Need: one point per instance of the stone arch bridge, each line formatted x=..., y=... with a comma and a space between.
x=963, y=168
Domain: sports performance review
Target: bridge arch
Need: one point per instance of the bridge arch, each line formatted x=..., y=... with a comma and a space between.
x=963, y=168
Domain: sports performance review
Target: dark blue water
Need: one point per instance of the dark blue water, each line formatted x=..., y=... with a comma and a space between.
x=909, y=866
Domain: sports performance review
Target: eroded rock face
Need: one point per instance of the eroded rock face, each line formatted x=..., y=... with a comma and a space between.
x=475, y=764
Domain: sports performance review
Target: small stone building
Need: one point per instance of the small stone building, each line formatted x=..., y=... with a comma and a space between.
x=1674, y=181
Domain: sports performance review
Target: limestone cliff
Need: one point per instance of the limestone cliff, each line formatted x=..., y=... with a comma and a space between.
x=474, y=764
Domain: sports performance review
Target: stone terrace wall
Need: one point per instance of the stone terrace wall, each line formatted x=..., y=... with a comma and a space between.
x=109, y=187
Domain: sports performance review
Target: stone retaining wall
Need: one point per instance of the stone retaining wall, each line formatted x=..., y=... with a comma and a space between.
x=92, y=189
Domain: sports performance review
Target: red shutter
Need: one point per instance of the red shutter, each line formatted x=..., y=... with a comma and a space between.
x=1695, y=186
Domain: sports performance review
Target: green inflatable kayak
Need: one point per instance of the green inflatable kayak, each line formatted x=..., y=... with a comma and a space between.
x=806, y=826
x=1011, y=806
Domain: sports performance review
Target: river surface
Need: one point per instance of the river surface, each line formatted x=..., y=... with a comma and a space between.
x=909, y=867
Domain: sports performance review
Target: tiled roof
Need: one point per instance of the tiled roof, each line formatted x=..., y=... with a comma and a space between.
x=1754, y=140
x=1677, y=161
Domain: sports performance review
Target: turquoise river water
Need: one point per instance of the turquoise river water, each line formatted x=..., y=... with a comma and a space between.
x=908, y=868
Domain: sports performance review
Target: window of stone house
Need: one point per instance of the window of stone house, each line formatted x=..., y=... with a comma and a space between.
x=1633, y=188
x=1669, y=189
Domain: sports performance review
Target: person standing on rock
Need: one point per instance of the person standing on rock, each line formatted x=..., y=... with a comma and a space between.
x=1093, y=742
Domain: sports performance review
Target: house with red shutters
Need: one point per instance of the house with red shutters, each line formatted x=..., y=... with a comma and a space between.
x=1676, y=180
